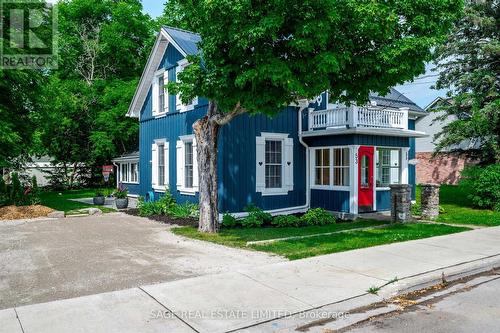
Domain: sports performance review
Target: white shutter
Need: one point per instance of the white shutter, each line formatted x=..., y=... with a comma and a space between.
x=180, y=164
x=154, y=95
x=288, y=164
x=166, y=94
x=260, y=164
x=179, y=106
x=154, y=164
x=196, y=177
x=167, y=164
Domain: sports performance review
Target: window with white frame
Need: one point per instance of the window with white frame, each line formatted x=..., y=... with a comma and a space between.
x=388, y=163
x=124, y=173
x=187, y=165
x=330, y=168
x=159, y=93
x=159, y=167
x=274, y=164
x=322, y=167
x=128, y=172
x=134, y=172
x=341, y=167
x=182, y=107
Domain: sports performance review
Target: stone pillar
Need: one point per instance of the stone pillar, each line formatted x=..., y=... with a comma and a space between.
x=400, y=202
x=429, y=201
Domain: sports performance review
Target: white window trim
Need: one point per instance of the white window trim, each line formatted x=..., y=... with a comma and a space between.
x=180, y=154
x=312, y=167
x=286, y=167
x=155, y=94
x=181, y=65
x=154, y=168
x=403, y=166
x=129, y=172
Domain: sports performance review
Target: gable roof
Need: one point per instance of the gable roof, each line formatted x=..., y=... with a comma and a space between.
x=184, y=41
x=187, y=41
x=396, y=99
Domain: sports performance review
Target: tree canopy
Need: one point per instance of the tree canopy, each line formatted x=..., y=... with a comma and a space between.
x=264, y=55
x=469, y=65
x=103, y=48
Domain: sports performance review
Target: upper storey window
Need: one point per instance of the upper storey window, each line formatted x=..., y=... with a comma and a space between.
x=160, y=93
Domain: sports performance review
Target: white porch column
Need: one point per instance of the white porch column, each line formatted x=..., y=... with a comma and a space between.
x=405, y=153
x=353, y=179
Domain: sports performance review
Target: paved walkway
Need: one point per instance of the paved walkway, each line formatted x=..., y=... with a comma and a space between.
x=251, y=298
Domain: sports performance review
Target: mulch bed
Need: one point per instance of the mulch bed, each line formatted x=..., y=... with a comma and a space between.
x=191, y=222
x=24, y=212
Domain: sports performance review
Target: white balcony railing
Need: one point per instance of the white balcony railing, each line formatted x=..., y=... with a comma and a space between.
x=354, y=116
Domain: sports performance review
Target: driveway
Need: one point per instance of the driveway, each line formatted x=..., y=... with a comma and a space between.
x=49, y=260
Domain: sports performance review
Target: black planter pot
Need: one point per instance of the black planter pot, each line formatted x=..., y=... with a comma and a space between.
x=121, y=203
x=99, y=201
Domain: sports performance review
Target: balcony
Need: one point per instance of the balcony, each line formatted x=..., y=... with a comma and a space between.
x=354, y=117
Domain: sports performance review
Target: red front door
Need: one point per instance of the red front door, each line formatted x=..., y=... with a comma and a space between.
x=365, y=177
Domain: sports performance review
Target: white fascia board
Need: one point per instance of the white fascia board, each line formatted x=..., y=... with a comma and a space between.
x=368, y=131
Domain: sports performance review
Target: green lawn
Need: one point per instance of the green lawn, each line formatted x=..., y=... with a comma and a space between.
x=59, y=200
x=458, y=208
x=238, y=237
x=313, y=246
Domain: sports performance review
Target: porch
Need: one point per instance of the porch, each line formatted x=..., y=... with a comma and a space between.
x=374, y=120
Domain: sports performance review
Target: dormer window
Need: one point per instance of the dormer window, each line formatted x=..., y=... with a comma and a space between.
x=159, y=93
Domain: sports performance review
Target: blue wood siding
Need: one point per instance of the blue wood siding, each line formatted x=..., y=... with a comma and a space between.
x=335, y=201
x=411, y=168
x=237, y=155
x=134, y=189
x=383, y=200
x=357, y=139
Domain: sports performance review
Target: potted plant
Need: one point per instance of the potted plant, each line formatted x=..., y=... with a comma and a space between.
x=99, y=198
x=121, y=198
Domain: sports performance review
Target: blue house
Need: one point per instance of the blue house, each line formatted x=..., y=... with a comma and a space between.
x=316, y=154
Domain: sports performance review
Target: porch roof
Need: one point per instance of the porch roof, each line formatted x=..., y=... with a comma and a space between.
x=130, y=157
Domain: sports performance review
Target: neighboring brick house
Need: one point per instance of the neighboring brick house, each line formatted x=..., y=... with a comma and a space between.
x=444, y=167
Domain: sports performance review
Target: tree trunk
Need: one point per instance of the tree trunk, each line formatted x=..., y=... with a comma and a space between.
x=206, y=131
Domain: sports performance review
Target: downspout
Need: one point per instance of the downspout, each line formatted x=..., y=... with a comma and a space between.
x=308, y=166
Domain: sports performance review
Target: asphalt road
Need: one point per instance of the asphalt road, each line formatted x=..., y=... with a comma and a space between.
x=473, y=310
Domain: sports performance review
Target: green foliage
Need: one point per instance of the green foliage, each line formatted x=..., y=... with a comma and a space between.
x=120, y=193
x=317, y=216
x=282, y=221
x=167, y=202
x=256, y=217
x=416, y=209
x=183, y=211
x=149, y=208
x=34, y=192
x=483, y=184
x=99, y=193
x=352, y=47
x=229, y=221
x=473, y=82
x=16, y=190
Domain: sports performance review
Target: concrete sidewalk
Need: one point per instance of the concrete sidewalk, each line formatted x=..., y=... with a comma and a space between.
x=275, y=297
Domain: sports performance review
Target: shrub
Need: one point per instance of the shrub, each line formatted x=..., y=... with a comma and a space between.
x=167, y=202
x=183, y=211
x=483, y=184
x=98, y=193
x=252, y=221
x=35, y=192
x=16, y=190
x=282, y=221
x=229, y=221
x=317, y=216
x=149, y=208
x=257, y=217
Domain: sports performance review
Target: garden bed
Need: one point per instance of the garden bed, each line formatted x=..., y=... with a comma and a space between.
x=24, y=212
x=189, y=221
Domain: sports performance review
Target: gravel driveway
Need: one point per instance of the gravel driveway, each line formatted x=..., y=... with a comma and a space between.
x=48, y=260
